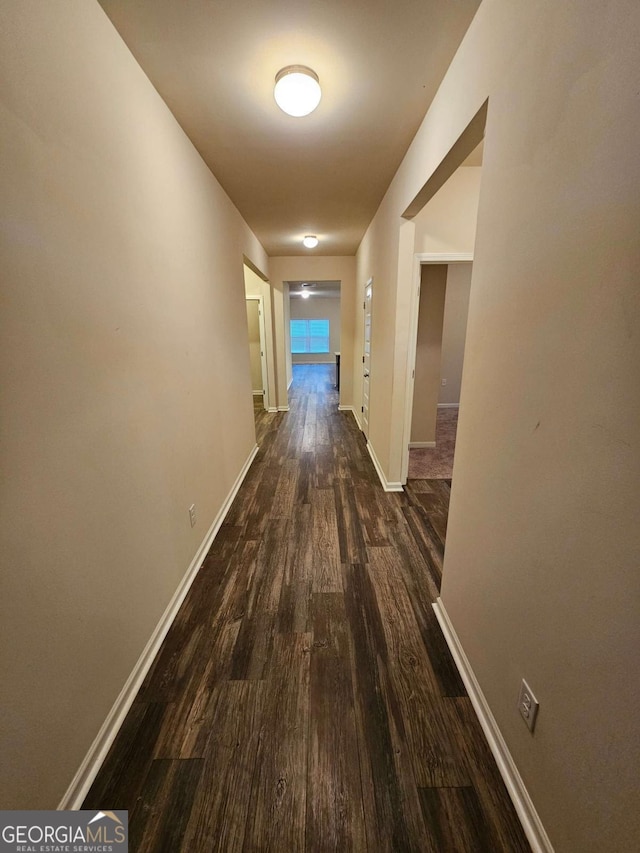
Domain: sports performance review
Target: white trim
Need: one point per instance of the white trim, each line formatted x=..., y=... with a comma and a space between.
x=386, y=485
x=523, y=803
x=448, y=405
x=412, y=345
x=419, y=259
x=283, y=408
x=88, y=770
x=263, y=348
x=258, y=393
x=290, y=383
x=420, y=444
x=361, y=421
x=272, y=409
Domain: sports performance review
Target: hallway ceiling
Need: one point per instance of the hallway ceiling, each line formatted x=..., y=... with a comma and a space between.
x=379, y=62
x=315, y=288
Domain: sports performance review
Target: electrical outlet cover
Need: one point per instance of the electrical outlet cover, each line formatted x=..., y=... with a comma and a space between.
x=528, y=705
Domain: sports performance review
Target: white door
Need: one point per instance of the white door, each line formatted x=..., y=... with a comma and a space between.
x=366, y=357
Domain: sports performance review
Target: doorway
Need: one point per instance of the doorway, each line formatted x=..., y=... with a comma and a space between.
x=257, y=351
x=443, y=307
x=449, y=217
x=314, y=326
x=436, y=341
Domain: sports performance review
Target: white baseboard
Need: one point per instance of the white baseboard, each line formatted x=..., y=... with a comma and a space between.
x=523, y=803
x=258, y=393
x=386, y=485
x=283, y=408
x=448, y=405
x=419, y=444
x=272, y=409
x=88, y=770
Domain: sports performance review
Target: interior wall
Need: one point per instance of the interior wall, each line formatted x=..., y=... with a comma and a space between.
x=447, y=223
x=280, y=307
x=256, y=286
x=429, y=347
x=454, y=331
x=547, y=434
x=287, y=335
x=324, y=308
x=317, y=268
x=255, y=357
x=124, y=377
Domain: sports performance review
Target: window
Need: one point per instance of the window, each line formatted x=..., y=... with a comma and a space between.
x=309, y=336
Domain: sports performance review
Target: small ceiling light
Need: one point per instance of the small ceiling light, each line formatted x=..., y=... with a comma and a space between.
x=297, y=90
x=305, y=294
x=310, y=242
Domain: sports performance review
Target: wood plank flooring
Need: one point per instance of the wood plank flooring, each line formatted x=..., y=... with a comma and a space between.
x=305, y=699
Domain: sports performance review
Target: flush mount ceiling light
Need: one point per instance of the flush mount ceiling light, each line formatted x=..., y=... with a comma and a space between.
x=305, y=294
x=310, y=242
x=297, y=90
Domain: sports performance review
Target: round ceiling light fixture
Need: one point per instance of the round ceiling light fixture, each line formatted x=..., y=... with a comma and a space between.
x=305, y=294
x=310, y=241
x=297, y=90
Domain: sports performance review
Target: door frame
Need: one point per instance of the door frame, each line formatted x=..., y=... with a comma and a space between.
x=368, y=284
x=420, y=259
x=263, y=348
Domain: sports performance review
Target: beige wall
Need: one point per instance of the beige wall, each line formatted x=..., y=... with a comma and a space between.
x=326, y=308
x=122, y=280
x=254, y=285
x=429, y=346
x=541, y=575
x=255, y=357
x=448, y=222
x=279, y=290
x=125, y=382
x=287, y=335
x=454, y=331
x=314, y=268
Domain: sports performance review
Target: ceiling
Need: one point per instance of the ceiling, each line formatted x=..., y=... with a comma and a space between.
x=315, y=288
x=379, y=62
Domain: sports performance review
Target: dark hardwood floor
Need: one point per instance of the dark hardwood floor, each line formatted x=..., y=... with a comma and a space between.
x=263, y=419
x=305, y=699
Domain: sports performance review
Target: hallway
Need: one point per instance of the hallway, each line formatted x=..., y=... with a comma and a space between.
x=304, y=698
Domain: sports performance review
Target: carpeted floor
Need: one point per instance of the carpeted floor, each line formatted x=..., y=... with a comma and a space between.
x=436, y=463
